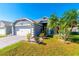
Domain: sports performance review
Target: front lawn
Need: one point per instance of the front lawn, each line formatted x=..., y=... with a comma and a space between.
x=2, y=36
x=54, y=47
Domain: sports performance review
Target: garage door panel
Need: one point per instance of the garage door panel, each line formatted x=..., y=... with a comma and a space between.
x=23, y=32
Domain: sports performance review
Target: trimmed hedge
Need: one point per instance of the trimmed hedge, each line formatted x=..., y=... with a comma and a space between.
x=74, y=33
x=74, y=38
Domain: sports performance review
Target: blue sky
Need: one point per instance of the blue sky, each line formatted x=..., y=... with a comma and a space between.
x=14, y=11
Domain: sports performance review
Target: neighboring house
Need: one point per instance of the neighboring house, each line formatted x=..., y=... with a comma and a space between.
x=75, y=29
x=5, y=28
x=24, y=26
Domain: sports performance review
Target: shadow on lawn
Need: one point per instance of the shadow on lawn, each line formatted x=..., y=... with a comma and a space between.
x=43, y=43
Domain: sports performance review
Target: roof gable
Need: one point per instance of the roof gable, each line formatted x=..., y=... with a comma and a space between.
x=23, y=22
x=5, y=23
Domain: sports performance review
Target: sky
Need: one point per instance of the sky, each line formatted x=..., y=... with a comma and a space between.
x=34, y=11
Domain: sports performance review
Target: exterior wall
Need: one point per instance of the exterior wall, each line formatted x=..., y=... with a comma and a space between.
x=2, y=31
x=24, y=25
x=2, y=24
x=8, y=29
x=32, y=31
x=21, y=26
x=5, y=28
x=37, y=30
x=5, y=31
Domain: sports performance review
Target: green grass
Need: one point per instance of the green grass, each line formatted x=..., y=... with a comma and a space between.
x=54, y=47
x=1, y=36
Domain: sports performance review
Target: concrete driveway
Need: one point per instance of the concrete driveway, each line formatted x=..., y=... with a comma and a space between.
x=6, y=41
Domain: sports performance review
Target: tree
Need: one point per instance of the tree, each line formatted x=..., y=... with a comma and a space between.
x=52, y=23
x=69, y=19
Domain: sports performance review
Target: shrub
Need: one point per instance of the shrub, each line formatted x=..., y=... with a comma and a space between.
x=41, y=35
x=36, y=38
x=74, y=38
x=28, y=36
x=74, y=33
x=50, y=33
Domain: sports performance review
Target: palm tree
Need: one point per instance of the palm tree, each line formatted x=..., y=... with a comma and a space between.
x=69, y=20
x=70, y=16
x=52, y=22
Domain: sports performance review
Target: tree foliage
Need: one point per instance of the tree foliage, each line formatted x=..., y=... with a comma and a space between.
x=52, y=21
x=69, y=17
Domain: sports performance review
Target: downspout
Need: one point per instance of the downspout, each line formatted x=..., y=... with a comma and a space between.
x=13, y=29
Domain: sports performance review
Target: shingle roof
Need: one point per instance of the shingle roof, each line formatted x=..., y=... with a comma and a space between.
x=42, y=20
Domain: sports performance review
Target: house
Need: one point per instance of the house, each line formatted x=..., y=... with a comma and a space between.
x=5, y=28
x=25, y=26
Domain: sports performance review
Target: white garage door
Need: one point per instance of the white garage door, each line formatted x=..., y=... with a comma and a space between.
x=2, y=32
x=23, y=32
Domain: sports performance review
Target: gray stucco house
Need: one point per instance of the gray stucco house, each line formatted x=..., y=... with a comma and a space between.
x=5, y=28
x=22, y=27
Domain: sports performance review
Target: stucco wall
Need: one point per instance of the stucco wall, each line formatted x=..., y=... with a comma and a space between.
x=2, y=31
x=37, y=29
x=8, y=30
